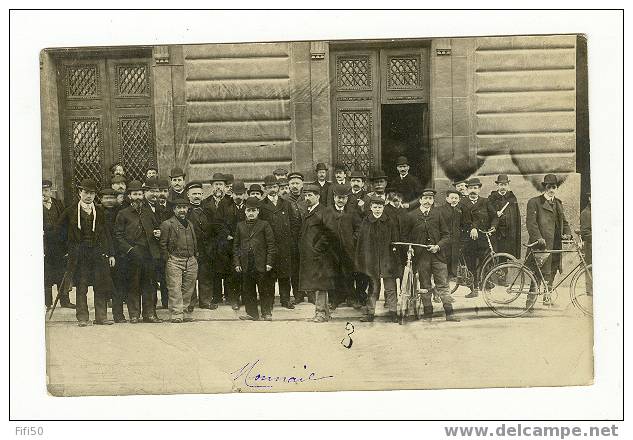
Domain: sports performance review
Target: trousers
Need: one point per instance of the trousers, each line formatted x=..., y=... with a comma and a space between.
x=374, y=293
x=181, y=274
x=252, y=282
x=428, y=266
x=141, y=285
x=85, y=277
x=204, y=290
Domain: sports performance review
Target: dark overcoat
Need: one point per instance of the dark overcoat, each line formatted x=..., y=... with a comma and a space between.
x=507, y=237
x=316, y=259
x=431, y=229
x=352, y=201
x=477, y=215
x=375, y=256
x=224, y=223
x=279, y=218
x=453, y=218
x=260, y=242
x=541, y=223
x=324, y=191
x=410, y=188
x=103, y=249
x=205, y=231
x=129, y=223
x=344, y=226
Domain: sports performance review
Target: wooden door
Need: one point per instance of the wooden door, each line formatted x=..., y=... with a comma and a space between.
x=404, y=76
x=106, y=116
x=355, y=128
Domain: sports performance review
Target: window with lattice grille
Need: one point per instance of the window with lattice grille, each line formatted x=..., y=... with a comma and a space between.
x=354, y=139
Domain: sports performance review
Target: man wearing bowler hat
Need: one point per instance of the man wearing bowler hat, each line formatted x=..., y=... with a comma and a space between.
x=277, y=212
x=357, y=191
x=477, y=215
x=90, y=254
x=406, y=184
x=177, y=182
x=256, y=190
x=546, y=224
x=340, y=177
x=54, y=247
x=461, y=187
x=316, y=273
x=321, y=174
x=299, y=210
x=161, y=213
x=378, y=180
x=507, y=237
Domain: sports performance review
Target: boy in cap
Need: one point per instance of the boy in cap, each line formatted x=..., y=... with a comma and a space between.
x=54, y=247
x=179, y=250
x=376, y=257
x=253, y=255
x=427, y=226
x=277, y=212
x=477, y=214
x=546, y=224
x=504, y=204
x=406, y=184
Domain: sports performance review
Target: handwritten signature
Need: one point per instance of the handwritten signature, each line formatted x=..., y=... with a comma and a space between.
x=261, y=380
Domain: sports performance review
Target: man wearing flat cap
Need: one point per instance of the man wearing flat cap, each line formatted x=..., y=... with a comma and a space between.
x=427, y=226
x=177, y=183
x=344, y=225
x=54, y=247
x=137, y=230
x=477, y=215
x=316, y=273
x=321, y=175
x=408, y=185
x=90, y=254
x=277, y=212
x=546, y=224
x=504, y=204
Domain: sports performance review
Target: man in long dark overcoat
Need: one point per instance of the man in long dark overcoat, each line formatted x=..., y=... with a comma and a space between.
x=278, y=212
x=316, y=271
x=547, y=225
x=90, y=254
x=452, y=213
x=504, y=204
x=299, y=209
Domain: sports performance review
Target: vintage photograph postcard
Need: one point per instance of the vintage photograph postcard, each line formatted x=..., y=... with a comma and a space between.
x=317, y=215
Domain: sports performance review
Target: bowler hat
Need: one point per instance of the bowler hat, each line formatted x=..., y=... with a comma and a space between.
x=502, y=178
x=218, y=177
x=194, y=184
x=357, y=174
x=108, y=192
x=295, y=175
x=88, y=185
x=230, y=178
x=255, y=187
x=458, y=181
x=474, y=182
x=402, y=161
x=135, y=185
x=252, y=202
x=46, y=183
x=179, y=201
x=176, y=172
x=270, y=180
x=341, y=189
x=238, y=187
x=428, y=192
x=163, y=183
x=550, y=179
x=312, y=187
x=280, y=172
x=339, y=167
x=321, y=166
x=151, y=183
x=378, y=174
x=376, y=199
x=117, y=179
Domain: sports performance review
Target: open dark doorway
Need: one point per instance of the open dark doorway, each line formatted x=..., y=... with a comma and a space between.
x=404, y=132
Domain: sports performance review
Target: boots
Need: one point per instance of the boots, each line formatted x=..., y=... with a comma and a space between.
x=450, y=317
x=427, y=315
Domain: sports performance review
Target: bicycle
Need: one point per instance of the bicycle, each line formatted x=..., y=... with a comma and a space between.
x=409, y=297
x=523, y=282
x=464, y=276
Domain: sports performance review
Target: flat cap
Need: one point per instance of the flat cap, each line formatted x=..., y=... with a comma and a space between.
x=108, y=192
x=312, y=187
x=458, y=181
x=452, y=191
x=194, y=184
x=376, y=199
x=282, y=181
x=402, y=161
x=295, y=175
x=270, y=180
x=135, y=185
x=428, y=192
x=179, y=201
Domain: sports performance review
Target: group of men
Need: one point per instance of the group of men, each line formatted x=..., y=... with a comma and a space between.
x=331, y=242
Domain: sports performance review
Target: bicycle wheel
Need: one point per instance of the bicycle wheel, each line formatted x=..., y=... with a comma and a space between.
x=463, y=277
x=581, y=290
x=495, y=260
x=406, y=290
x=509, y=299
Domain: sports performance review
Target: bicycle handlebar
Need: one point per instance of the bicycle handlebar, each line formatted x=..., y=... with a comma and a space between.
x=488, y=232
x=404, y=243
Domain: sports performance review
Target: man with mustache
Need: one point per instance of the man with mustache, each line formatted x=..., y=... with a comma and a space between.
x=119, y=185
x=299, y=211
x=152, y=193
x=177, y=182
x=357, y=192
x=111, y=209
x=137, y=231
x=406, y=184
x=221, y=263
x=284, y=189
x=452, y=213
x=340, y=177
x=378, y=181
x=507, y=237
x=163, y=193
x=321, y=174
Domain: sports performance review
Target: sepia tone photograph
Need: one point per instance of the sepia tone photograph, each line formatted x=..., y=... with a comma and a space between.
x=328, y=215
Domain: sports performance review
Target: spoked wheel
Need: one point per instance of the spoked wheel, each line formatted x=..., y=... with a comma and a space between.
x=496, y=260
x=510, y=297
x=581, y=290
x=463, y=278
x=406, y=291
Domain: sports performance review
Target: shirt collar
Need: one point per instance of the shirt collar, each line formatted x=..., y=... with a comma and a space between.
x=547, y=197
x=310, y=209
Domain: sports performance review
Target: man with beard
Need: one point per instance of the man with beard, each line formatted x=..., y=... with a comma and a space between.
x=54, y=247
x=281, y=173
x=428, y=227
x=119, y=185
x=299, y=210
x=117, y=169
x=321, y=174
x=507, y=237
x=220, y=253
x=284, y=189
x=406, y=184
x=344, y=226
x=316, y=273
x=205, y=234
x=151, y=191
x=461, y=188
x=230, y=214
x=340, y=177
x=476, y=215
x=452, y=213
x=90, y=254
x=118, y=273
x=177, y=182
x=179, y=249
x=136, y=230
x=277, y=212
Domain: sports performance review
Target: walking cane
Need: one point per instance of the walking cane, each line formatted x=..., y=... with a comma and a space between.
x=59, y=290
